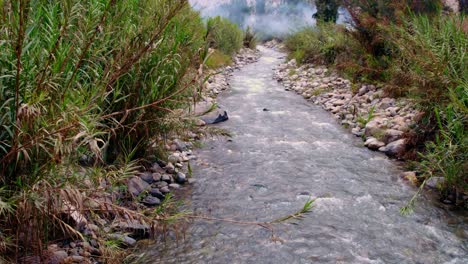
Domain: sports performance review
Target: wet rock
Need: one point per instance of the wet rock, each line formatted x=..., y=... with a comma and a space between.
x=180, y=178
x=373, y=143
x=151, y=201
x=126, y=240
x=157, y=193
x=395, y=149
x=136, y=186
x=147, y=177
x=357, y=131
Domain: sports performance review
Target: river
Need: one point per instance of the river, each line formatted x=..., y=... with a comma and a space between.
x=284, y=152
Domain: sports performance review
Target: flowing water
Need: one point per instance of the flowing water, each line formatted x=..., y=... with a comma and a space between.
x=276, y=161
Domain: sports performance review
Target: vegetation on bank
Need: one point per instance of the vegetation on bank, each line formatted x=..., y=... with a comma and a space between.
x=414, y=50
x=89, y=92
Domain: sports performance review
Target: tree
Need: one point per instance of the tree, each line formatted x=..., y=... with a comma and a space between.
x=327, y=10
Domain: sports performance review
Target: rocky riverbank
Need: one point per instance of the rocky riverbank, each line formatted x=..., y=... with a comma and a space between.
x=380, y=120
x=129, y=210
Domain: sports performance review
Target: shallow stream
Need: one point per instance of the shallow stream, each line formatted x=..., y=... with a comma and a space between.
x=280, y=158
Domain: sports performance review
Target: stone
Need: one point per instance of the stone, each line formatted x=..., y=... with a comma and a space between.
x=373, y=143
x=157, y=193
x=392, y=135
x=156, y=168
x=357, y=131
x=173, y=158
x=161, y=184
x=435, y=182
x=156, y=176
x=136, y=186
x=395, y=149
x=166, y=178
x=147, y=177
x=180, y=178
x=135, y=228
x=170, y=168
x=180, y=145
x=57, y=257
x=151, y=201
x=126, y=240
x=387, y=102
x=174, y=186
x=165, y=189
x=373, y=127
x=199, y=122
x=363, y=90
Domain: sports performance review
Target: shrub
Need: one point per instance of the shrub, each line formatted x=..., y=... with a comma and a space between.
x=326, y=44
x=250, y=39
x=224, y=35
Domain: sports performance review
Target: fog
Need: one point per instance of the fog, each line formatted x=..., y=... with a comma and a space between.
x=269, y=18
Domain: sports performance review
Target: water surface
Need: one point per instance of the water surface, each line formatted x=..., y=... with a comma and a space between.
x=280, y=158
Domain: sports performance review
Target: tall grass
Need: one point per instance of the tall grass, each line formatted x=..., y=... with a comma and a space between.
x=433, y=66
x=84, y=79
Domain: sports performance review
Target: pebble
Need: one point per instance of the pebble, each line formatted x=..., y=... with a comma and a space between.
x=170, y=168
x=174, y=186
x=180, y=178
x=166, y=178
x=151, y=201
x=147, y=177
x=157, y=193
x=165, y=190
x=128, y=241
x=136, y=186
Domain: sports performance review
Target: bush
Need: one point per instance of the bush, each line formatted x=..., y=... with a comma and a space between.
x=250, y=39
x=324, y=44
x=224, y=35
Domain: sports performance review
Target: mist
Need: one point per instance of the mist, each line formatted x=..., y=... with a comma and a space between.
x=268, y=18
